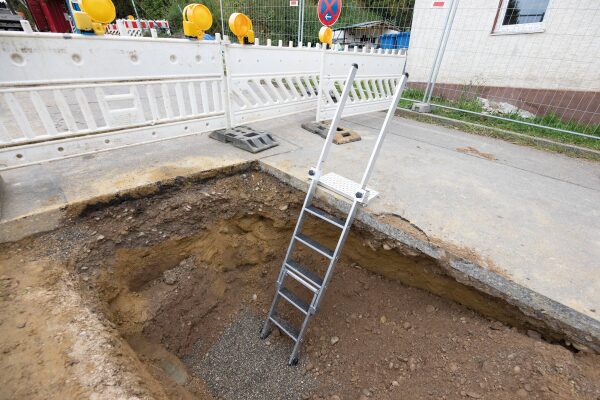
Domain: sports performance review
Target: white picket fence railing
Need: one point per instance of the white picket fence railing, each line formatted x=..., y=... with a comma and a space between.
x=271, y=81
x=65, y=95
x=379, y=71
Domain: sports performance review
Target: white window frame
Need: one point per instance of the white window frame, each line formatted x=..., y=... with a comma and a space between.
x=533, y=27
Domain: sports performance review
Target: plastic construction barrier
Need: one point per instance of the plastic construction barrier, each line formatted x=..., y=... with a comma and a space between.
x=66, y=95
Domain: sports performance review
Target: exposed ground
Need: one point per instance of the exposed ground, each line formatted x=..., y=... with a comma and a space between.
x=163, y=296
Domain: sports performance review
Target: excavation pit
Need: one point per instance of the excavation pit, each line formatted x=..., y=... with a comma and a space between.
x=161, y=294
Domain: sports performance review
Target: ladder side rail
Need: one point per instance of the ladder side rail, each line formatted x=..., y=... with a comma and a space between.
x=307, y=200
x=294, y=356
x=336, y=118
x=337, y=251
x=382, y=132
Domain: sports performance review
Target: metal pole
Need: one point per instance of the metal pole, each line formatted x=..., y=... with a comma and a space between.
x=301, y=7
x=336, y=118
x=381, y=136
x=137, y=16
x=222, y=20
x=437, y=70
x=438, y=51
x=302, y=24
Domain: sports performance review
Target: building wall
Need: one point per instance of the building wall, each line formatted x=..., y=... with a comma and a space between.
x=565, y=57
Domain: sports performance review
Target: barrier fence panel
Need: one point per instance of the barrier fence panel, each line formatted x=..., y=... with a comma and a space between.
x=271, y=81
x=379, y=71
x=117, y=91
x=522, y=65
x=65, y=95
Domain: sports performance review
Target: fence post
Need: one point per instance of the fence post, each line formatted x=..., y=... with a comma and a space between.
x=424, y=106
x=452, y=12
x=300, y=21
x=226, y=78
x=321, y=86
x=222, y=20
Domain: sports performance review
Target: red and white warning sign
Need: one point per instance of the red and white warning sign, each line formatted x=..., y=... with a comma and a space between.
x=439, y=3
x=329, y=11
x=293, y=3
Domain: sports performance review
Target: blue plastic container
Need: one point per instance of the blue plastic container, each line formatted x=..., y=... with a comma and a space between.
x=398, y=40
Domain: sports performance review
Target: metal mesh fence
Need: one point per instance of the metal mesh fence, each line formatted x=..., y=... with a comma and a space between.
x=279, y=19
x=271, y=19
x=524, y=65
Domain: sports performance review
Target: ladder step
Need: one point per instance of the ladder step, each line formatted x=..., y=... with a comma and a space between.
x=285, y=326
x=304, y=276
x=325, y=216
x=314, y=245
x=294, y=300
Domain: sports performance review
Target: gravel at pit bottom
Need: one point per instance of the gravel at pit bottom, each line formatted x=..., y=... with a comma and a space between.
x=241, y=366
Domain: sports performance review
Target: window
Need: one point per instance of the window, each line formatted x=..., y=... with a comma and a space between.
x=521, y=16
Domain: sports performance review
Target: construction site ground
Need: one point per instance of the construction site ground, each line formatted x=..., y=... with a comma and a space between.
x=155, y=290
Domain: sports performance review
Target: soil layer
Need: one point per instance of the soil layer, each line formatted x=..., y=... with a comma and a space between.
x=143, y=297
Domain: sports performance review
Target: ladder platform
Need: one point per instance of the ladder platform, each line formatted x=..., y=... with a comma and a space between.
x=345, y=187
x=294, y=300
x=325, y=216
x=319, y=248
x=304, y=276
x=284, y=326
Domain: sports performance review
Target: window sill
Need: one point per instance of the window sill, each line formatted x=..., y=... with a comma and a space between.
x=519, y=29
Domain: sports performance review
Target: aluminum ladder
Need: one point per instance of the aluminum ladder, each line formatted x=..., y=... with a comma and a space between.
x=358, y=193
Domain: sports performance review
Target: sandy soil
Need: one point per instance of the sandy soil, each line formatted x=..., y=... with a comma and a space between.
x=141, y=298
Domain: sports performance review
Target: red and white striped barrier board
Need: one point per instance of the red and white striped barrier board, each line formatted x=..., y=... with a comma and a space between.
x=133, y=27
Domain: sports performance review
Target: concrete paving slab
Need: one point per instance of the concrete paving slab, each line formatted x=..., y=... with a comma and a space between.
x=532, y=216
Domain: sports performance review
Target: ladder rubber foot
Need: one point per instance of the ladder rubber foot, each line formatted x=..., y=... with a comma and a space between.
x=293, y=361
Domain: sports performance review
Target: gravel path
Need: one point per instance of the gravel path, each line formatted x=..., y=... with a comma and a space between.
x=241, y=366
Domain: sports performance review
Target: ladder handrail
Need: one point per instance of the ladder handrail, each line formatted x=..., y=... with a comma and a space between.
x=388, y=117
x=336, y=118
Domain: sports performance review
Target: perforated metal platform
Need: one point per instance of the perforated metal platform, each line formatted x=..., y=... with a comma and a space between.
x=345, y=187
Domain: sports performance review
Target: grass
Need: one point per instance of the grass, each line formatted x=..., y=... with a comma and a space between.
x=550, y=120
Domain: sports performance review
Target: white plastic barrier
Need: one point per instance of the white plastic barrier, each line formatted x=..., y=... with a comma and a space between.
x=379, y=71
x=66, y=95
x=271, y=81
x=55, y=86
